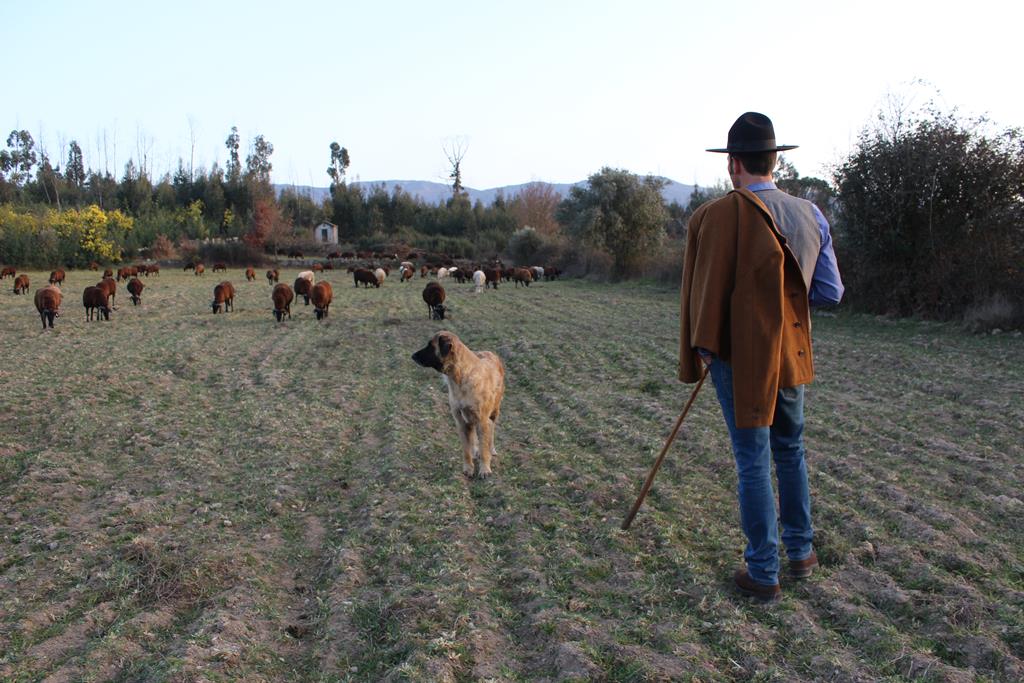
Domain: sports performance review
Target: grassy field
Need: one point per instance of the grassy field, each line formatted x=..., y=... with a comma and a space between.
x=190, y=497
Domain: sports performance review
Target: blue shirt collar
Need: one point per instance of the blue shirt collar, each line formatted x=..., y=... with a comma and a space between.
x=759, y=187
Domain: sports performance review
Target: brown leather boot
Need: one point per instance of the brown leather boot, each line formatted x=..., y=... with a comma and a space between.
x=759, y=591
x=801, y=569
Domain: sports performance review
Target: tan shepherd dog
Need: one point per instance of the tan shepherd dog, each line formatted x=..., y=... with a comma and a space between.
x=476, y=385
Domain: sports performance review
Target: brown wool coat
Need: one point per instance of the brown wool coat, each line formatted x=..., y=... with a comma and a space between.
x=744, y=299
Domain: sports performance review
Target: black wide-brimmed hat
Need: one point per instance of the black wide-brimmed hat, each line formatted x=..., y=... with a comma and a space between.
x=752, y=133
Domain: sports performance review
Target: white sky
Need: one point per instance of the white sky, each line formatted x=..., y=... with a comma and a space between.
x=539, y=90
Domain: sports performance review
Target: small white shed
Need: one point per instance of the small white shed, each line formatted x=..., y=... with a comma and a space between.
x=326, y=233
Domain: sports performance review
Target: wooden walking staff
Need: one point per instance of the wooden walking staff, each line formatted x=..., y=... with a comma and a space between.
x=657, y=463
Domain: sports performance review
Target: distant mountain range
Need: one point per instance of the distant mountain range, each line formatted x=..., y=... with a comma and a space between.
x=435, y=193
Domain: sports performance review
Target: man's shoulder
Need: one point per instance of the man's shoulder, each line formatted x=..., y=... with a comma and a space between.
x=787, y=198
x=717, y=206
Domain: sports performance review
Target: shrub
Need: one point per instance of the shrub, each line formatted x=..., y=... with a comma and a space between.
x=930, y=219
x=72, y=237
x=666, y=264
x=524, y=245
x=995, y=312
x=619, y=214
x=163, y=248
x=589, y=263
x=235, y=253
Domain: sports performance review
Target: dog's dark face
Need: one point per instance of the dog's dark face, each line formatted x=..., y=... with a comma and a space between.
x=434, y=353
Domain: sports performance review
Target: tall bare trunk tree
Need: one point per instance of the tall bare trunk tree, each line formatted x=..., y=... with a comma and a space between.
x=455, y=151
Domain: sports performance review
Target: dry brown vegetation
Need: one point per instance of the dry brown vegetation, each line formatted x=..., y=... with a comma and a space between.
x=190, y=497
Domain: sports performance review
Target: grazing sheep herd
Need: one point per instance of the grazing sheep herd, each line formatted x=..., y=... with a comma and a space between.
x=99, y=299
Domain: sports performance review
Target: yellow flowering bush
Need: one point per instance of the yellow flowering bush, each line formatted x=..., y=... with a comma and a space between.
x=71, y=236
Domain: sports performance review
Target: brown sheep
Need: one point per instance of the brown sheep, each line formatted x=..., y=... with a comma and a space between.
x=94, y=300
x=522, y=276
x=317, y=268
x=407, y=274
x=200, y=269
x=366, y=277
x=108, y=273
x=189, y=266
x=7, y=271
x=57, y=277
x=220, y=267
x=321, y=295
x=108, y=285
x=93, y=265
x=272, y=276
x=123, y=273
x=48, y=304
x=493, y=276
x=135, y=288
x=152, y=269
x=423, y=271
x=303, y=288
x=250, y=274
x=21, y=284
x=282, y=297
x=434, y=295
x=552, y=273
x=223, y=297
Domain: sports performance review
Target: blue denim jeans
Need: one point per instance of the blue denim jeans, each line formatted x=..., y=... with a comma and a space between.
x=751, y=447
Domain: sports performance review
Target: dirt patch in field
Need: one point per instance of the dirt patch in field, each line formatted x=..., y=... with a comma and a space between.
x=53, y=650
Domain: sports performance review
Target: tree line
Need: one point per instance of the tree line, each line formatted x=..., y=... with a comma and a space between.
x=926, y=213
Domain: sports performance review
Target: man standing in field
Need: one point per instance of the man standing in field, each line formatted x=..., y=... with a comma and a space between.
x=755, y=261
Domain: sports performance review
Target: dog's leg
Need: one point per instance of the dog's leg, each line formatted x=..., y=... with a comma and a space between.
x=486, y=446
x=467, y=434
x=494, y=427
x=469, y=447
